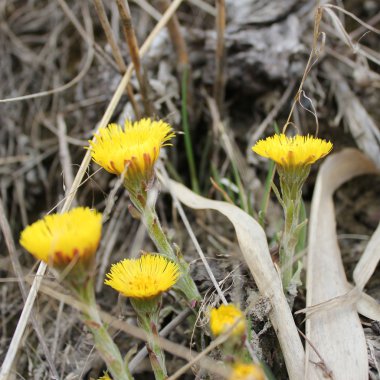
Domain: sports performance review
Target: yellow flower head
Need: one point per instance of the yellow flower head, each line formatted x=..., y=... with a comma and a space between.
x=58, y=239
x=106, y=376
x=243, y=371
x=132, y=151
x=291, y=152
x=143, y=278
x=222, y=319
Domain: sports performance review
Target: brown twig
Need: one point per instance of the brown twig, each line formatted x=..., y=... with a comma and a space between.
x=176, y=36
x=179, y=43
x=327, y=373
x=115, y=51
x=110, y=35
x=84, y=34
x=220, y=58
x=131, y=39
x=221, y=191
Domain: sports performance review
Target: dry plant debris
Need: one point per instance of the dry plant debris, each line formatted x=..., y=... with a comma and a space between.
x=223, y=74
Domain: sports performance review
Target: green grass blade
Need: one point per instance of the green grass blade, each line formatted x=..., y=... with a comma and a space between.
x=186, y=129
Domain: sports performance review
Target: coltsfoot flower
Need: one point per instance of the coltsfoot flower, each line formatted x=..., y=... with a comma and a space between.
x=131, y=151
x=243, y=371
x=289, y=152
x=59, y=239
x=143, y=278
x=223, y=318
x=293, y=157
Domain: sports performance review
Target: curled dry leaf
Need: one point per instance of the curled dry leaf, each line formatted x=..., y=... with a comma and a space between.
x=334, y=331
x=368, y=307
x=368, y=261
x=253, y=244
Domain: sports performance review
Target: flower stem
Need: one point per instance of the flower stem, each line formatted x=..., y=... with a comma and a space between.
x=291, y=182
x=289, y=241
x=185, y=284
x=105, y=345
x=148, y=323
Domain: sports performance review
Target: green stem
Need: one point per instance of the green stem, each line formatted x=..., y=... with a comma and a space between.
x=103, y=342
x=291, y=182
x=148, y=323
x=185, y=283
x=289, y=240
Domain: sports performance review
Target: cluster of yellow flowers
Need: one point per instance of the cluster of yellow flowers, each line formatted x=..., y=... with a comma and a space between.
x=69, y=241
x=74, y=236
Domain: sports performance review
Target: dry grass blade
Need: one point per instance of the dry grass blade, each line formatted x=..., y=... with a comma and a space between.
x=89, y=39
x=253, y=244
x=335, y=332
x=366, y=25
x=24, y=318
x=66, y=86
x=148, y=8
x=204, y=6
x=131, y=39
x=360, y=123
x=25, y=315
x=110, y=35
x=365, y=304
x=115, y=50
x=368, y=261
x=136, y=332
x=368, y=307
x=176, y=36
x=64, y=153
x=6, y=229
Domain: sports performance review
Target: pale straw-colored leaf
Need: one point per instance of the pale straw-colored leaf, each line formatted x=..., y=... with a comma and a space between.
x=368, y=261
x=335, y=332
x=368, y=307
x=254, y=247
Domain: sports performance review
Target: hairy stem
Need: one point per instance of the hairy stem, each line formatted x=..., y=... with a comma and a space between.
x=156, y=354
x=103, y=342
x=185, y=283
x=291, y=182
